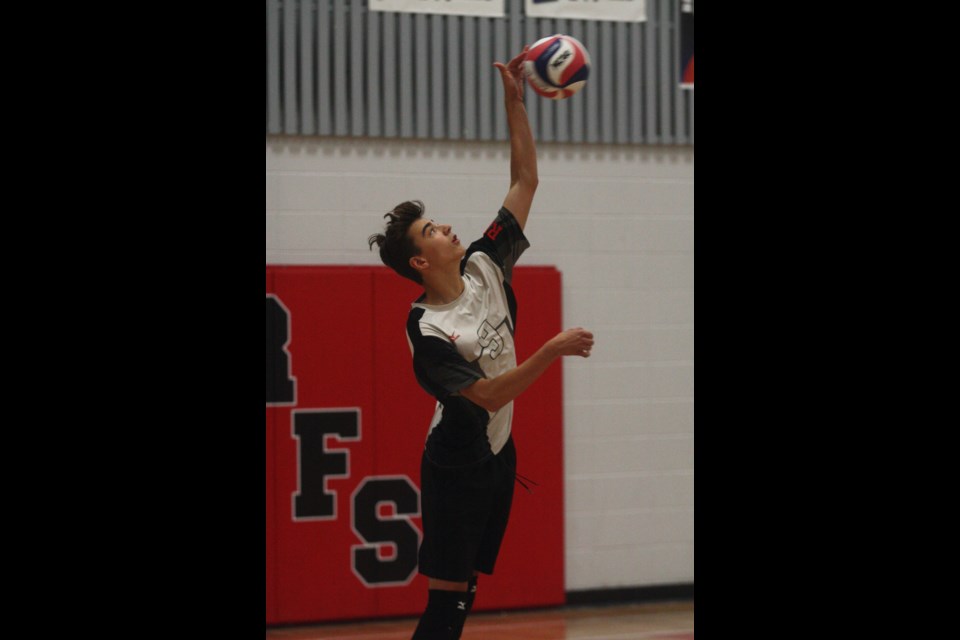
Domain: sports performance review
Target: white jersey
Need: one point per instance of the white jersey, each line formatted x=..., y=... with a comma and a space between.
x=457, y=343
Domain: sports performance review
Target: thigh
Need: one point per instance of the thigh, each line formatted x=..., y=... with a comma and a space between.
x=455, y=508
x=499, y=515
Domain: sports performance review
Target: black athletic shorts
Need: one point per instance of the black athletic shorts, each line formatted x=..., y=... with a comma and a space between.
x=465, y=512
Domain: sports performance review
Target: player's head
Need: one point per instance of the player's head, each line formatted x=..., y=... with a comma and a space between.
x=396, y=245
x=412, y=245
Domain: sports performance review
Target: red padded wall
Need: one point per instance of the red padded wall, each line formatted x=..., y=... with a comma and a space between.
x=349, y=355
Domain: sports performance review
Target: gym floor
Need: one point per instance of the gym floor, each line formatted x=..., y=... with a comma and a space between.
x=649, y=621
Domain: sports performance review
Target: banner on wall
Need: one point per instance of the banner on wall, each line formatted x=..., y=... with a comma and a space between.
x=618, y=10
x=346, y=423
x=686, y=44
x=486, y=8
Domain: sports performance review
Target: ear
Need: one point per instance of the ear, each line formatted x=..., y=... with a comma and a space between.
x=419, y=263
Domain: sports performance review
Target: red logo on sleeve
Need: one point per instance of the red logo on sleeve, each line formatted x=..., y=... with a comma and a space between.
x=494, y=230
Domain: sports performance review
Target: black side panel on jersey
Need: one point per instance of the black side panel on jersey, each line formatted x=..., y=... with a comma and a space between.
x=460, y=438
x=503, y=241
x=512, y=304
x=439, y=368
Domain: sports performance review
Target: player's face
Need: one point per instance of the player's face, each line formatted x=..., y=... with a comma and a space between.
x=437, y=242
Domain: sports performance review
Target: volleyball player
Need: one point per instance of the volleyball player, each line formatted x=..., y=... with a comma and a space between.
x=460, y=332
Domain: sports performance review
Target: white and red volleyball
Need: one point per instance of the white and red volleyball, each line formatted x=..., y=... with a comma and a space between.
x=557, y=66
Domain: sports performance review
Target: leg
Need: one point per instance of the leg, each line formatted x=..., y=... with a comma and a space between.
x=471, y=595
x=455, y=504
x=441, y=550
x=446, y=585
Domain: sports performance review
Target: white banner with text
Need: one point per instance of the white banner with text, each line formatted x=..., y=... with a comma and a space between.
x=619, y=10
x=486, y=8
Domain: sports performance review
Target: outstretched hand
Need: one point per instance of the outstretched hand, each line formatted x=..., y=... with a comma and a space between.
x=512, y=73
x=573, y=342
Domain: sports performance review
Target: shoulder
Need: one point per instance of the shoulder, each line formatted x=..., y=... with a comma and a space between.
x=482, y=266
x=414, y=331
x=420, y=329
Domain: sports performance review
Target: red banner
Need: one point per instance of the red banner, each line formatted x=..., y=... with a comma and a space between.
x=686, y=44
x=345, y=427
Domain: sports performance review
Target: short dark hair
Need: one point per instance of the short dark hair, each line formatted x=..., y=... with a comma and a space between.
x=396, y=247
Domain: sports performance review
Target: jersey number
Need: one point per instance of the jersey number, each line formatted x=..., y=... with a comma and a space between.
x=490, y=339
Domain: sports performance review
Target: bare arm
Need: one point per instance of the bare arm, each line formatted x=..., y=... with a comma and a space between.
x=491, y=394
x=523, y=152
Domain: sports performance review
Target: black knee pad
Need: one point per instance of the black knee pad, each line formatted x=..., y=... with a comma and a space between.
x=444, y=616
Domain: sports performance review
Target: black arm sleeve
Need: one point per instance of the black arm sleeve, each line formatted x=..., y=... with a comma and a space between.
x=503, y=241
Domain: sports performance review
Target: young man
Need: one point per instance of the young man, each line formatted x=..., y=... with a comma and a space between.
x=460, y=332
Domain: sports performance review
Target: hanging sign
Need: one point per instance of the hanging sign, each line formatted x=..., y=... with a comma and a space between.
x=487, y=8
x=618, y=10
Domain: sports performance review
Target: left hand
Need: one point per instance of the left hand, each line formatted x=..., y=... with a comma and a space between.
x=512, y=73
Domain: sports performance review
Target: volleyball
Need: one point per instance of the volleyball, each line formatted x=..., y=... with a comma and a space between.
x=557, y=66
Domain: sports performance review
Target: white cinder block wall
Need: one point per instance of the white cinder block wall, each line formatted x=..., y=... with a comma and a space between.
x=618, y=223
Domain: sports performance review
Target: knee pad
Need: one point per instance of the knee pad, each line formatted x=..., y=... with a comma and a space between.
x=444, y=616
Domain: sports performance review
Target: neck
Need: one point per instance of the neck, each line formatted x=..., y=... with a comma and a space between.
x=443, y=289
